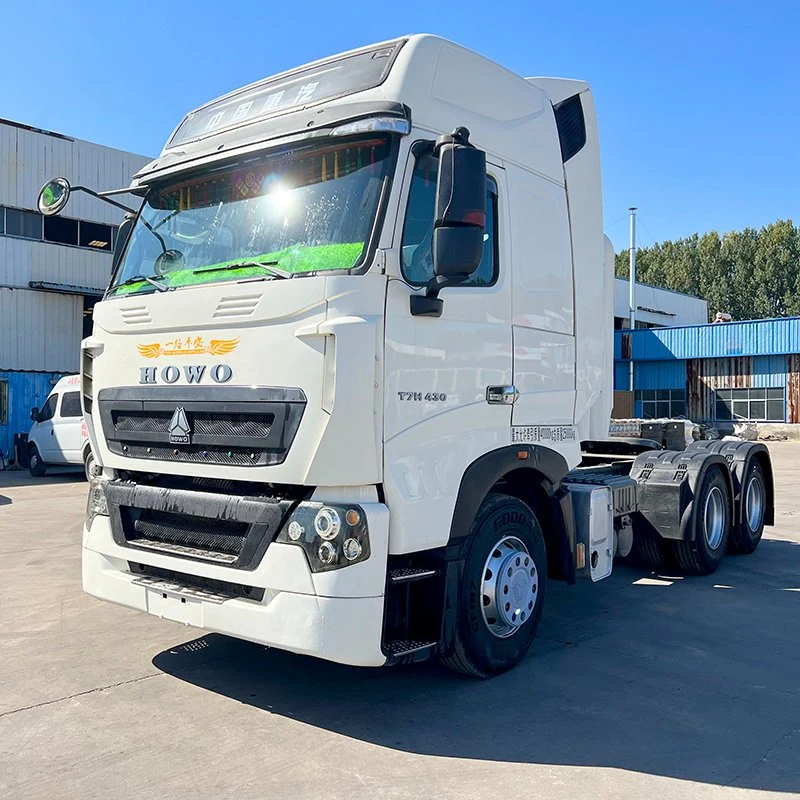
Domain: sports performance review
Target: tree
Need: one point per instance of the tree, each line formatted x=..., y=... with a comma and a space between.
x=750, y=273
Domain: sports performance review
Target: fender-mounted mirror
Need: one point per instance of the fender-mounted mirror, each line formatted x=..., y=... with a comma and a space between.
x=54, y=196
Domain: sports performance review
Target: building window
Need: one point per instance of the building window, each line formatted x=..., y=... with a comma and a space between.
x=61, y=230
x=754, y=405
x=56, y=230
x=662, y=403
x=96, y=236
x=3, y=402
x=27, y=224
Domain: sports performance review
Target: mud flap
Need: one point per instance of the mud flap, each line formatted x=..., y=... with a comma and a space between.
x=739, y=456
x=667, y=481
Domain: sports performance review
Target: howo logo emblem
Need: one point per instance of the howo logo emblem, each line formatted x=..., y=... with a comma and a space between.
x=179, y=430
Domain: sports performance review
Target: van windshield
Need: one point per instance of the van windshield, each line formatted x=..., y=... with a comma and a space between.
x=297, y=211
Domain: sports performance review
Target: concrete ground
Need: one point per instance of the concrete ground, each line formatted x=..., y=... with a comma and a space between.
x=641, y=686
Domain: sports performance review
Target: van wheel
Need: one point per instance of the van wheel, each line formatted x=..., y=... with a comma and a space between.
x=712, y=526
x=36, y=466
x=89, y=465
x=502, y=590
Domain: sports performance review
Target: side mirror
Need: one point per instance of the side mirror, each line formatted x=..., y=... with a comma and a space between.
x=54, y=196
x=123, y=234
x=459, y=218
x=460, y=215
x=35, y=414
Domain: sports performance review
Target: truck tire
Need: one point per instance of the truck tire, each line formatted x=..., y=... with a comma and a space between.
x=747, y=534
x=712, y=524
x=502, y=591
x=36, y=466
x=650, y=550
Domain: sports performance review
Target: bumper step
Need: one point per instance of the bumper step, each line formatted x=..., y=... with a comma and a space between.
x=402, y=648
x=409, y=574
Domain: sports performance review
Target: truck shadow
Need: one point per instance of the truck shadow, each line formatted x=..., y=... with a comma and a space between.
x=692, y=678
x=58, y=475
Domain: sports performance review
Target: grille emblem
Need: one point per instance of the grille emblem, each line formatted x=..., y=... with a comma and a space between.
x=179, y=429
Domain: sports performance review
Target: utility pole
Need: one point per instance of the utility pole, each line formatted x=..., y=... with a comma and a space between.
x=632, y=295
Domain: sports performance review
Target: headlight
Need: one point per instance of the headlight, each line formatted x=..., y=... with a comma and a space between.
x=96, y=503
x=332, y=535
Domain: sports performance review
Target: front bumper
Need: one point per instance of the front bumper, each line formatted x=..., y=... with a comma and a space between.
x=336, y=615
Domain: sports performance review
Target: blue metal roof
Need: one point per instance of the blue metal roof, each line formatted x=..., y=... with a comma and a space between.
x=759, y=337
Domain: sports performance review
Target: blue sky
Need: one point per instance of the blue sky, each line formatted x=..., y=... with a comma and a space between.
x=697, y=101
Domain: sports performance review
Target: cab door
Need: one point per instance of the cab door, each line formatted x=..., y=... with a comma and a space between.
x=67, y=428
x=437, y=419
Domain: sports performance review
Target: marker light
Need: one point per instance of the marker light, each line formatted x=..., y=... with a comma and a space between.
x=373, y=124
x=352, y=549
x=327, y=523
x=326, y=553
x=295, y=530
x=352, y=518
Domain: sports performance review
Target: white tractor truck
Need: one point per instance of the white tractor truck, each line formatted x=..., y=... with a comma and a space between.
x=349, y=387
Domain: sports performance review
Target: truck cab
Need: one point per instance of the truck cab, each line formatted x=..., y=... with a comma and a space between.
x=354, y=340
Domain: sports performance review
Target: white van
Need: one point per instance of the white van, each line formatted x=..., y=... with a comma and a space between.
x=58, y=436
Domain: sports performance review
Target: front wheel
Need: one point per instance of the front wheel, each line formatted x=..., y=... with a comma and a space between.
x=36, y=466
x=502, y=591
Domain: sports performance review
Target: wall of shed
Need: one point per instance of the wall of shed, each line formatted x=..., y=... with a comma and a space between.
x=25, y=390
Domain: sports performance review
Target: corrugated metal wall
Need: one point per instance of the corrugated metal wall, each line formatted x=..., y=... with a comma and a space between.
x=40, y=331
x=25, y=390
x=23, y=260
x=751, y=338
x=701, y=377
x=704, y=376
x=30, y=158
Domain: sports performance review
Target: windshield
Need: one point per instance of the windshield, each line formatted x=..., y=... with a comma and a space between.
x=295, y=211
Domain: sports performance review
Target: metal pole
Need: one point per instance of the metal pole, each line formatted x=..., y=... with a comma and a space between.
x=632, y=294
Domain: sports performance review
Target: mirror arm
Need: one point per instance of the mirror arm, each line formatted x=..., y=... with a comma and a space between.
x=102, y=196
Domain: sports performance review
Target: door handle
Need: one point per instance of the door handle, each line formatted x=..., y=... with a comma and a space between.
x=502, y=395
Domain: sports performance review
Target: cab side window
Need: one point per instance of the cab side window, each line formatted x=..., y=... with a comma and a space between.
x=416, y=251
x=71, y=405
x=49, y=409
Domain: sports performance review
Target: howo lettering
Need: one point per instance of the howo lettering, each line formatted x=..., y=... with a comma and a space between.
x=350, y=384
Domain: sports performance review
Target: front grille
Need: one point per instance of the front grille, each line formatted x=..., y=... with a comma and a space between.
x=202, y=533
x=198, y=582
x=237, y=426
x=205, y=423
x=229, y=529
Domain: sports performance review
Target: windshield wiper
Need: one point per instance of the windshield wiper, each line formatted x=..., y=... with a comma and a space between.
x=162, y=287
x=269, y=266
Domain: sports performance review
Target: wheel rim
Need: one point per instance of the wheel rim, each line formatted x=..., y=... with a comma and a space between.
x=714, y=517
x=509, y=587
x=34, y=460
x=754, y=503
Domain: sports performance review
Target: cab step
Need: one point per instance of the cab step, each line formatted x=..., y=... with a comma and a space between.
x=409, y=574
x=408, y=650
